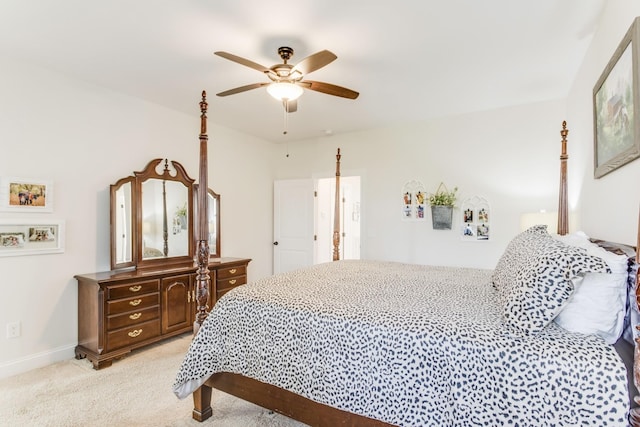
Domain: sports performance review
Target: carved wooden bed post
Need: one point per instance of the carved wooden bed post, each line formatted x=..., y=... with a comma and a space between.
x=336, y=215
x=202, y=245
x=563, y=211
x=202, y=396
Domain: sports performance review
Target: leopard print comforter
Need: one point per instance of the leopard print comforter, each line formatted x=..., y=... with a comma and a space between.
x=407, y=344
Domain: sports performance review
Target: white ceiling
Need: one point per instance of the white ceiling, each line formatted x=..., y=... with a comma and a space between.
x=409, y=59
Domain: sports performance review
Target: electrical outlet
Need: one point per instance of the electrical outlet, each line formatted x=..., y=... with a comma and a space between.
x=13, y=330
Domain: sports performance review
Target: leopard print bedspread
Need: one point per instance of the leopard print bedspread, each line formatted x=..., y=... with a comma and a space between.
x=407, y=344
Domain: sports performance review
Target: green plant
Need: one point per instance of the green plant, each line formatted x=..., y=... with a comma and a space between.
x=443, y=197
x=181, y=211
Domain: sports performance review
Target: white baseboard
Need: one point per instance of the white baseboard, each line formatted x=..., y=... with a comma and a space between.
x=38, y=360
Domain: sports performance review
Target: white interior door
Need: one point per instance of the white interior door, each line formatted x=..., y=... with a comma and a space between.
x=349, y=247
x=292, y=224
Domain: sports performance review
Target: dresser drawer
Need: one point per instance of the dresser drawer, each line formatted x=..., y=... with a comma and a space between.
x=135, y=303
x=133, y=289
x=138, y=316
x=227, y=272
x=133, y=334
x=230, y=283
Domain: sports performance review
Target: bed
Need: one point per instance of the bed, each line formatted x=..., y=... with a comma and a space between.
x=386, y=343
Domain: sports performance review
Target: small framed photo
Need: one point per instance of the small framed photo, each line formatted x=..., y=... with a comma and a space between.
x=616, y=107
x=414, y=199
x=26, y=195
x=18, y=237
x=475, y=219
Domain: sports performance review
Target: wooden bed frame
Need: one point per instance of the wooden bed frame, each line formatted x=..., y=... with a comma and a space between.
x=285, y=402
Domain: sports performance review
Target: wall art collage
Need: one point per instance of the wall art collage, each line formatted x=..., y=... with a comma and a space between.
x=474, y=212
x=24, y=234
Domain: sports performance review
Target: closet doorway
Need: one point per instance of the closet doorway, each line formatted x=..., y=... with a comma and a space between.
x=349, y=220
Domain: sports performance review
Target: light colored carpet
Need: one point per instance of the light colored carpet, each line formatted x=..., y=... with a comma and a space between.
x=134, y=391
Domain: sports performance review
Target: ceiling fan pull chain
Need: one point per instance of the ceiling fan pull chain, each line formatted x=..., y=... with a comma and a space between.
x=286, y=122
x=286, y=116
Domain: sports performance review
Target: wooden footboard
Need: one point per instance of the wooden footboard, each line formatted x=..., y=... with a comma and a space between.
x=276, y=399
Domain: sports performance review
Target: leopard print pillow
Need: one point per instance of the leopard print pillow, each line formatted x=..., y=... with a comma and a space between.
x=533, y=279
x=521, y=248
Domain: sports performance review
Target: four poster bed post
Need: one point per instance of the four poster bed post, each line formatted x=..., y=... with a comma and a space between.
x=202, y=245
x=202, y=394
x=336, y=215
x=634, y=415
x=563, y=203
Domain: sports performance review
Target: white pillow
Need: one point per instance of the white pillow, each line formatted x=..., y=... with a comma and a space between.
x=597, y=306
x=617, y=263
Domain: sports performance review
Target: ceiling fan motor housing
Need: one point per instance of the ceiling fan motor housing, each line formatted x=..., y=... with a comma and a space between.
x=285, y=53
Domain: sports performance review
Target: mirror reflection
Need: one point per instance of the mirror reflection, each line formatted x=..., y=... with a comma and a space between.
x=213, y=220
x=165, y=219
x=123, y=233
x=213, y=209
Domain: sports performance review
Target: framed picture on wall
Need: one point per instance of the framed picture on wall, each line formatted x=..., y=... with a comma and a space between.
x=18, y=237
x=26, y=195
x=616, y=107
x=413, y=201
x=476, y=216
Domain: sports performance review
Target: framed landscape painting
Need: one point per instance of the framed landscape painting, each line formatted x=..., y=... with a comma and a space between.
x=616, y=107
x=26, y=195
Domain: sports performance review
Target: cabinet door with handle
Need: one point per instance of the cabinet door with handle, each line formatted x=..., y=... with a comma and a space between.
x=176, y=303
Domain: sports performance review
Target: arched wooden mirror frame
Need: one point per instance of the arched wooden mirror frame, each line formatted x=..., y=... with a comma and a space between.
x=167, y=255
x=128, y=223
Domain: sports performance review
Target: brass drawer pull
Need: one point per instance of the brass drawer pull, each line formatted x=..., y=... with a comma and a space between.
x=135, y=302
x=135, y=288
x=232, y=271
x=232, y=282
x=135, y=333
x=135, y=316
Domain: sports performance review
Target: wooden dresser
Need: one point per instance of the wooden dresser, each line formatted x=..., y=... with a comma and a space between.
x=119, y=311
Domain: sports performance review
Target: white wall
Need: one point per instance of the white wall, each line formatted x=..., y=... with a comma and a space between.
x=608, y=206
x=474, y=152
x=84, y=138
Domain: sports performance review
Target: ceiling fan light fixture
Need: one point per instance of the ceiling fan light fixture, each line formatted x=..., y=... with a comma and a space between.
x=285, y=90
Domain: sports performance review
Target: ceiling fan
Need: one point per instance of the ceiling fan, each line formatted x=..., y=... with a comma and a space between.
x=288, y=81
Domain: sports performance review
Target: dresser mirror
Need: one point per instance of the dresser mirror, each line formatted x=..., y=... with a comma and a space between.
x=213, y=206
x=153, y=218
x=123, y=248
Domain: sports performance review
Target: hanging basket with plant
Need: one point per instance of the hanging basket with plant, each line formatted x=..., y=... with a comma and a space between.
x=442, y=203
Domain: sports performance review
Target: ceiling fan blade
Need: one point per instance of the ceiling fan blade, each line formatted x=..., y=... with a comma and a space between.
x=244, y=61
x=329, y=89
x=290, y=106
x=314, y=62
x=241, y=89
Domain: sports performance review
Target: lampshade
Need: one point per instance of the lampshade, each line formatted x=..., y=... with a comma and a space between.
x=283, y=90
x=550, y=219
